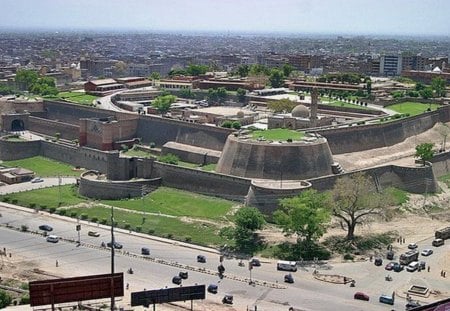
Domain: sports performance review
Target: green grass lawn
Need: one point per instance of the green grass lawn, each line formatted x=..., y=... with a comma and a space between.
x=400, y=196
x=200, y=233
x=338, y=103
x=278, y=134
x=413, y=108
x=138, y=153
x=177, y=203
x=14, y=139
x=48, y=197
x=76, y=97
x=44, y=167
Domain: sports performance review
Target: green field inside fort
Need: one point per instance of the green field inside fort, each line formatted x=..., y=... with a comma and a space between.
x=278, y=134
x=340, y=103
x=44, y=167
x=166, y=212
x=75, y=97
x=413, y=108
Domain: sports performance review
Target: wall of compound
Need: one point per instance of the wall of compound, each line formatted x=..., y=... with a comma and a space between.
x=50, y=127
x=11, y=150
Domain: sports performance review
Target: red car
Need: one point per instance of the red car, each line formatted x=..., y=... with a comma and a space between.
x=389, y=266
x=361, y=296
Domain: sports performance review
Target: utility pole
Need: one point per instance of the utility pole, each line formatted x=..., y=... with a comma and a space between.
x=59, y=190
x=112, y=258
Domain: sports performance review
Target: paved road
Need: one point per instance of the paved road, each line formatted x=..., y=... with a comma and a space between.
x=25, y=186
x=306, y=293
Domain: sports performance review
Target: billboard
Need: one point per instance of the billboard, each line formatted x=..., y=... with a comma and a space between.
x=81, y=288
x=149, y=297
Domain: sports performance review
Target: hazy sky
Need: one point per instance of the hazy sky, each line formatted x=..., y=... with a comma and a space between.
x=410, y=17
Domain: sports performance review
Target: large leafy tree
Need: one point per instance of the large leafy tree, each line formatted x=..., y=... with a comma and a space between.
x=425, y=152
x=162, y=103
x=356, y=201
x=240, y=93
x=247, y=220
x=26, y=78
x=438, y=85
x=282, y=105
x=276, y=78
x=287, y=69
x=243, y=70
x=196, y=70
x=305, y=215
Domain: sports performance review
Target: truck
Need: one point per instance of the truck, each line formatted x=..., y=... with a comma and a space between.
x=408, y=257
x=287, y=265
x=442, y=233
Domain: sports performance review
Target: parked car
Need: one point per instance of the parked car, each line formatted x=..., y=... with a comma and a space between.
x=177, y=280
x=117, y=245
x=53, y=239
x=413, y=266
x=201, y=258
x=390, y=266
x=288, y=278
x=438, y=242
x=378, y=261
x=45, y=228
x=255, y=262
x=397, y=267
x=212, y=288
x=387, y=299
x=422, y=265
x=412, y=245
x=93, y=233
x=145, y=251
x=390, y=255
x=361, y=296
x=412, y=304
x=36, y=180
x=228, y=299
x=427, y=252
x=183, y=275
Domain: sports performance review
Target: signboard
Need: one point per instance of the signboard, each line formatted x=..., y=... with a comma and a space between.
x=146, y=298
x=89, y=287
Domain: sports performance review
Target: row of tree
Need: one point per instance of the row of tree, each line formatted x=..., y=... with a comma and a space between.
x=29, y=80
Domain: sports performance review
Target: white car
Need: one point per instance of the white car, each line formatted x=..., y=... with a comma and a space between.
x=36, y=180
x=53, y=238
x=427, y=252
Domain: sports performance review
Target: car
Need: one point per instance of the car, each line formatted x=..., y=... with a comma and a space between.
x=183, y=275
x=288, y=278
x=201, y=258
x=390, y=255
x=390, y=266
x=397, y=267
x=227, y=299
x=53, y=239
x=117, y=245
x=422, y=265
x=212, y=288
x=378, y=261
x=427, y=252
x=177, y=280
x=93, y=233
x=438, y=242
x=386, y=299
x=412, y=245
x=255, y=262
x=145, y=251
x=412, y=304
x=36, y=180
x=413, y=266
x=45, y=228
x=361, y=296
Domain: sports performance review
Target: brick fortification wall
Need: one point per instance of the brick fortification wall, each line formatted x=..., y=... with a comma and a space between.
x=364, y=137
x=255, y=159
x=49, y=127
x=115, y=190
x=441, y=164
x=418, y=179
x=160, y=130
x=71, y=113
x=227, y=187
x=10, y=150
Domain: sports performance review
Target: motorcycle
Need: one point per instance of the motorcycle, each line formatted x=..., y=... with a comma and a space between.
x=388, y=278
x=130, y=271
x=241, y=264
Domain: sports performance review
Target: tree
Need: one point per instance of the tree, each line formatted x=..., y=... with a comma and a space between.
x=287, y=69
x=240, y=93
x=426, y=93
x=162, y=103
x=356, y=201
x=425, y=152
x=236, y=125
x=282, y=105
x=243, y=70
x=5, y=299
x=120, y=68
x=186, y=93
x=438, y=85
x=25, y=78
x=419, y=86
x=155, y=76
x=305, y=215
x=369, y=87
x=247, y=220
x=196, y=70
x=217, y=95
x=276, y=78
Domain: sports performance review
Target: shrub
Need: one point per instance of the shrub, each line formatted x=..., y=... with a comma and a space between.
x=169, y=158
x=152, y=145
x=52, y=210
x=348, y=257
x=124, y=147
x=24, y=300
x=62, y=212
x=127, y=226
x=94, y=219
x=104, y=221
x=169, y=235
x=5, y=199
x=32, y=205
x=227, y=124
x=14, y=201
x=236, y=125
x=84, y=216
x=138, y=228
x=151, y=231
x=73, y=214
x=43, y=207
x=24, y=228
x=188, y=239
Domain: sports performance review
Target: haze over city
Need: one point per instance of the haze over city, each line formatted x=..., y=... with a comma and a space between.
x=383, y=17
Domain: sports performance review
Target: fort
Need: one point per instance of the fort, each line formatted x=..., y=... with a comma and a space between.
x=257, y=172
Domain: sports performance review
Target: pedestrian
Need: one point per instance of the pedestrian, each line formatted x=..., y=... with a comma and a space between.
x=57, y=263
x=444, y=273
x=128, y=286
x=404, y=240
x=428, y=269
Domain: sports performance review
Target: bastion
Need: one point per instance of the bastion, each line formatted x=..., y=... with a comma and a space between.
x=297, y=160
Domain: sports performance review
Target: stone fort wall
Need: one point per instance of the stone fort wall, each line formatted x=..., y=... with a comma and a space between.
x=50, y=127
x=11, y=150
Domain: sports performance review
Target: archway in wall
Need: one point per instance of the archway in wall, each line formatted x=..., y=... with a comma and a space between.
x=17, y=125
